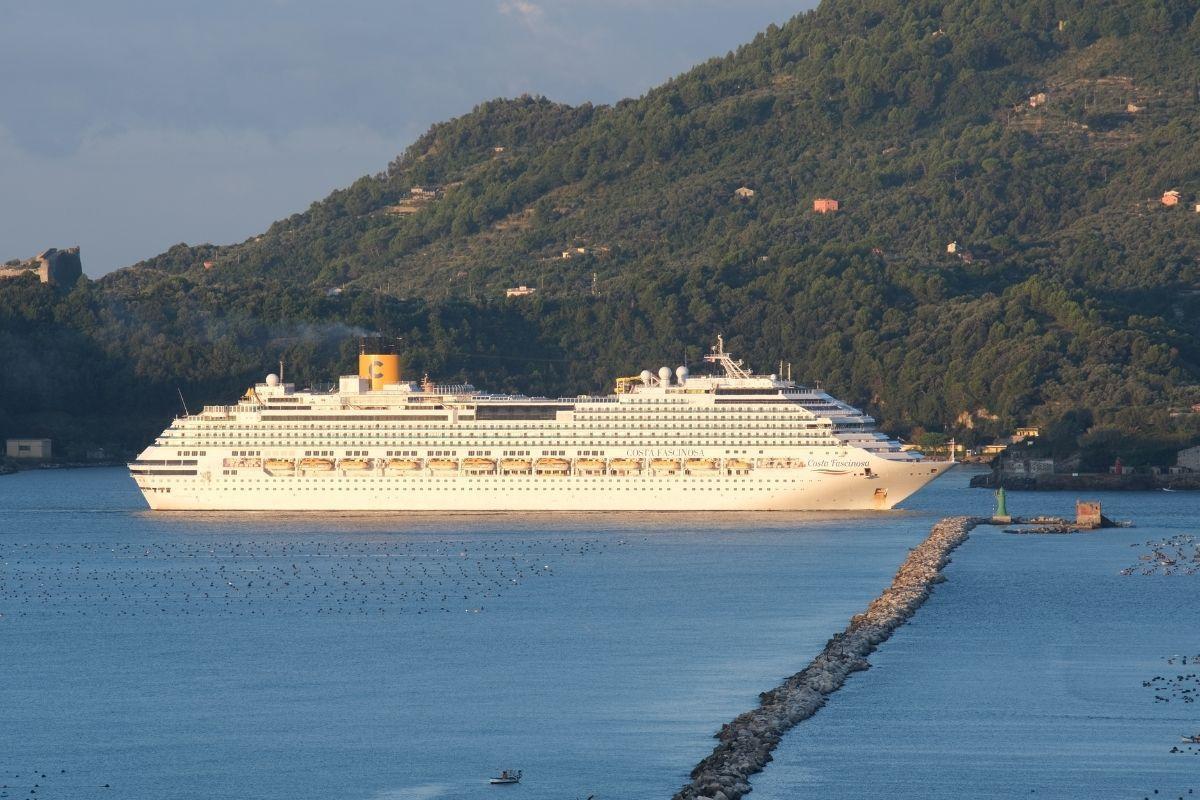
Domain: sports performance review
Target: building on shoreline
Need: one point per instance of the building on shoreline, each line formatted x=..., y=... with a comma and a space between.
x=1028, y=466
x=28, y=449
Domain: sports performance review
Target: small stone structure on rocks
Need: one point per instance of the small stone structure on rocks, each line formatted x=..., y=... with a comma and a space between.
x=746, y=743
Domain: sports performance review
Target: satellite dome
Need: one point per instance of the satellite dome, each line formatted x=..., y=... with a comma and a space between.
x=664, y=375
x=645, y=376
x=272, y=379
x=681, y=374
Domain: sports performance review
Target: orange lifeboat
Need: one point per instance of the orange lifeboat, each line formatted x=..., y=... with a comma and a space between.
x=442, y=464
x=702, y=464
x=589, y=466
x=479, y=465
x=553, y=466
x=316, y=464
x=355, y=464
x=280, y=465
x=737, y=464
x=664, y=465
x=515, y=465
x=624, y=466
x=403, y=464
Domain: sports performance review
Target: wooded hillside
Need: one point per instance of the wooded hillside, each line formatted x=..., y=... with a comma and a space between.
x=1039, y=136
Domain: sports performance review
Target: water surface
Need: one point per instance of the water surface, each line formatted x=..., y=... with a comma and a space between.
x=404, y=656
x=1023, y=675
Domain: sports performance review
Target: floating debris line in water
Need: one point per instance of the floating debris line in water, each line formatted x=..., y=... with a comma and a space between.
x=242, y=577
x=1178, y=555
x=1181, y=687
x=747, y=742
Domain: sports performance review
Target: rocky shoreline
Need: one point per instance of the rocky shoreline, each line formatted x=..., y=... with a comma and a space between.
x=746, y=743
x=12, y=467
x=1089, y=482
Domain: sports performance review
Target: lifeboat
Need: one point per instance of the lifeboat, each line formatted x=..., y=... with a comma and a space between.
x=316, y=464
x=701, y=464
x=355, y=464
x=515, y=465
x=553, y=466
x=242, y=462
x=280, y=464
x=589, y=465
x=403, y=464
x=442, y=464
x=625, y=465
x=479, y=465
x=664, y=465
x=737, y=464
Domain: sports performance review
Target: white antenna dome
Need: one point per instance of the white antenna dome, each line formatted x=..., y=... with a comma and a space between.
x=664, y=375
x=272, y=379
x=681, y=374
x=645, y=376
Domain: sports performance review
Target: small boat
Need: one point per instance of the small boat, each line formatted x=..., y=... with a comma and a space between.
x=737, y=464
x=664, y=465
x=355, y=464
x=403, y=464
x=1193, y=739
x=701, y=464
x=316, y=464
x=553, y=466
x=589, y=465
x=478, y=465
x=506, y=776
x=443, y=465
x=625, y=465
x=280, y=464
x=515, y=465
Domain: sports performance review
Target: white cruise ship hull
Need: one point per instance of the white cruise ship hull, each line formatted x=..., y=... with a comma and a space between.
x=728, y=442
x=887, y=484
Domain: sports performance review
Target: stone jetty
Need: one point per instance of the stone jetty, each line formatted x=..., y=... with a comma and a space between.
x=746, y=743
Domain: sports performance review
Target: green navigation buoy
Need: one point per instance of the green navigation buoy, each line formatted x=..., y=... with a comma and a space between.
x=1001, y=505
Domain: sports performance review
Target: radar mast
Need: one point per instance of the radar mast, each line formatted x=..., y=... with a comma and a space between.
x=733, y=369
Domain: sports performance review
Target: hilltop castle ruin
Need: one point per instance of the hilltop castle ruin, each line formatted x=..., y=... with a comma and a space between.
x=56, y=267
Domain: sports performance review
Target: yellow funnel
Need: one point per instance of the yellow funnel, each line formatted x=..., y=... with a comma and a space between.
x=380, y=368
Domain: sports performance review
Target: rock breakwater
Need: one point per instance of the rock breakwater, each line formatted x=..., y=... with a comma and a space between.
x=746, y=742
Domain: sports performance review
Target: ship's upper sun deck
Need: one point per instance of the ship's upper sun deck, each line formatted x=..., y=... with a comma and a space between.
x=732, y=387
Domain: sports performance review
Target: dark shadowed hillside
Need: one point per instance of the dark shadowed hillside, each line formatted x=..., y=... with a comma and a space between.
x=1039, y=136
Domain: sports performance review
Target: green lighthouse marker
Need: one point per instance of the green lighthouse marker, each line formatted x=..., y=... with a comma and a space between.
x=1001, y=506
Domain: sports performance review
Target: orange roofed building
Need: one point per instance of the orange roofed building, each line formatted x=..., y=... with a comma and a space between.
x=1171, y=198
x=825, y=205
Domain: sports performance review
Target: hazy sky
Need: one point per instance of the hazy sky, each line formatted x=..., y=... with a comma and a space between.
x=127, y=126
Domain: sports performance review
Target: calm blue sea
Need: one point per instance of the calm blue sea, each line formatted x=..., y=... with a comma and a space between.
x=397, y=657
x=1023, y=675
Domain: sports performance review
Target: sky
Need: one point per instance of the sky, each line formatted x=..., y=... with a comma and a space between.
x=127, y=126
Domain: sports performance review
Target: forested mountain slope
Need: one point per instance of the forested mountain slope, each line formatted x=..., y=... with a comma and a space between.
x=1037, y=135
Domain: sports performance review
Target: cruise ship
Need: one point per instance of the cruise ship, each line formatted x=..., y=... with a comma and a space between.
x=663, y=441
